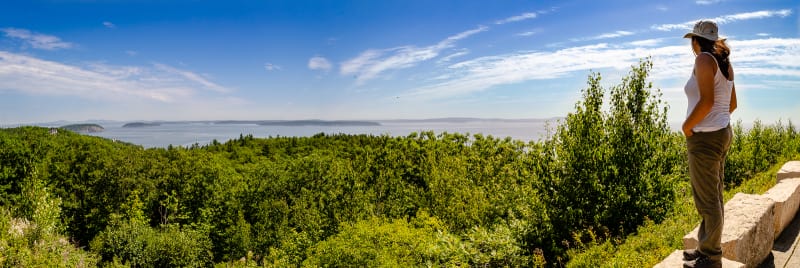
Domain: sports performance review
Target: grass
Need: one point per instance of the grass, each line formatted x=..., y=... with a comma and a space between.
x=653, y=242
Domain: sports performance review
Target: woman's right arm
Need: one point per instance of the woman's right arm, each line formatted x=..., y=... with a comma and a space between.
x=704, y=68
x=733, y=91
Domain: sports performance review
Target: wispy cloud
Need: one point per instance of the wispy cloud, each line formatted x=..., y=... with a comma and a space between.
x=193, y=77
x=486, y=72
x=37, y=40
x=271, y=67
x=769, y=56
x=109, y=25
x=604, y=36
x=521, y=17
x=727, y=19
x=118, y=72
x=131, y=53
x=319, y=63
x=458, y=53
x=707, y=2
x=159, y=82
x=371, y=63
x=754, y=15
x=462, y=35
x=525, y=16
x=529, y=33
x=647, y=42
x=762, y=57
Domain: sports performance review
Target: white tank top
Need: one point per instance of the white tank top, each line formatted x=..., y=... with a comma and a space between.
x=720, y=116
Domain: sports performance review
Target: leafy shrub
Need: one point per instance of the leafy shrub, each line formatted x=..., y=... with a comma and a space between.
x=422, y=242
x=37, y=242
x=757, y=149
x=373, y=243
x=142, y=246
x=610, y=169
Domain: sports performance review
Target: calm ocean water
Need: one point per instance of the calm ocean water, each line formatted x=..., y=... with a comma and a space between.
x=186, y=134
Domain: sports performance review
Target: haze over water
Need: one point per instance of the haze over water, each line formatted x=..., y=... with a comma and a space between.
x=189, y=133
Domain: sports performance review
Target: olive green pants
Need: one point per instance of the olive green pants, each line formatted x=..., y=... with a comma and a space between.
x=706, y=151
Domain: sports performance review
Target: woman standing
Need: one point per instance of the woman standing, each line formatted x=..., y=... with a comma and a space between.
x=712, y=99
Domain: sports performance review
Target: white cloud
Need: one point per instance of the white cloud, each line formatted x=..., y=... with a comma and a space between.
x=670, y=27
x=192, y=77
x=762, y=57
x=319, y=63
x=707, y=2
x=754, y=15
x=448, y=58
x=109, y=25
x=463, y=35
x=486, y=72
x=371, y=63
x=37, y=40
x=727, y=19
x=131, y=53
x=529, y=33
x=763, y=34
x=767, y=56
x=646, y=42
x=521, y=17
x=118, y=72
x=358, y=63
x=160, y=83
x=525, y=16
x=271, y=67
x=604, y=36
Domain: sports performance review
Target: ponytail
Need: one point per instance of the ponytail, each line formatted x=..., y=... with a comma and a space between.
x=719, y=49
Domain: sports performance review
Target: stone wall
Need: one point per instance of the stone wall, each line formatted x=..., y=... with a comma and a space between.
x=752, y=222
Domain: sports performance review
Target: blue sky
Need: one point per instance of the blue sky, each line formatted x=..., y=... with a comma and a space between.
x=196, y=60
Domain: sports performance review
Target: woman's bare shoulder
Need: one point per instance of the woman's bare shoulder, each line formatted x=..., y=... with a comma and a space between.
x=705, y=61
x=704, y=58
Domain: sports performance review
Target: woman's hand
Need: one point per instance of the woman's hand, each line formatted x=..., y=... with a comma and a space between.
x=687, y=130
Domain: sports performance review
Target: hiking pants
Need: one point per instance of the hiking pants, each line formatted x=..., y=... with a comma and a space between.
x=706, y=153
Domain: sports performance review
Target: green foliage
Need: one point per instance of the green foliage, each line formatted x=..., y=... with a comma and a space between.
x=423, y=241
x=373, y=243
x=758, y=148
x=139, y=245
x=611, y=168
x=655, y=241
x=24, y=244
x=40, y=207
x=426, y=199
x=34, y=239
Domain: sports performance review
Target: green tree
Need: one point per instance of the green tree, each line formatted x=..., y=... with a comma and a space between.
x=611, y=168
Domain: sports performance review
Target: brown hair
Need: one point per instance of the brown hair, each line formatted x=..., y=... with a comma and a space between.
x=719, y=49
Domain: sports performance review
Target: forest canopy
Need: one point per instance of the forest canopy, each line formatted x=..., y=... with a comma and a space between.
x=426, y=199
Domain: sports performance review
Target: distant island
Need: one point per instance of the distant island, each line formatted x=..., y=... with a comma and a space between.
x=86, y=128
x=292, y=123
x=295, y=123
x=141, y=124
x=471, y=120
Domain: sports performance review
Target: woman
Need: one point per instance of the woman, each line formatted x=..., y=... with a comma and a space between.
x=712, y=99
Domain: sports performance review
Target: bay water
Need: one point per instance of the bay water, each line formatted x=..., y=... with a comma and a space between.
x=189, y=133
